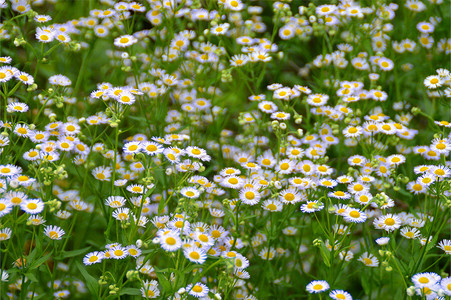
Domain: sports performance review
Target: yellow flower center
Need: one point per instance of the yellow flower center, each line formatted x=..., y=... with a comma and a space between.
x=390, y=221
x=233, y=181
x=249, y=195
x=194, y=255
x=284, y=166
x=423, y=280
x=317, y=287
x=289, y=197
x=171, y=241
x=32, y=205
x=272, y=206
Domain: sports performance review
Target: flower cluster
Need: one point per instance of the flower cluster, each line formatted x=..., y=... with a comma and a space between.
x=224, y=149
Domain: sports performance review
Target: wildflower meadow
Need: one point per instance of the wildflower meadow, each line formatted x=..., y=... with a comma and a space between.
x=225, y=149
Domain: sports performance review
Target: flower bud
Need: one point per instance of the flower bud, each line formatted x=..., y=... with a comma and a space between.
x=410, y=291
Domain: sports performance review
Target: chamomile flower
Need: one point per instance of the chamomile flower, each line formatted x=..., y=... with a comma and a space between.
x=425, y=279
x=445, y=245
x=425, y=27
x=170, y=241
x=54, y=232
x=327, y=182
x=126, y=98
x=133, y=251
x=17, y=107
x=44, y=36
x=239, y=60
x=5, y=234
x=317, y=286
x=285, y=166
x=190, y=192
x=317, y=99
x=5, y=59
x=280, y=115
x=290, y=196
x=339, y=195
x=149, y=291
x=441, y=171
x=445, y=284
x=32, y=206
x=60, y=80
x=387, y=222
x=311, y=206
x=9, y=170
x=324, y=10
x=272, y=205
x=416, y=188
x=358, y=187
x=62, y=37
x=151, y=148
x=198, y=289
x=267, y=254
x=396, y=159
x=195, y=255
x=433, y=81
x=249, y=196
x=340, y=295
x=115, y=201
x=5, y=75
x=125, y=41
x=260, y=56
x=118, y=252
x=382, y=241
x=121, y=214
x=385, y=64
x=4, y=275
x=5, y=207
x=352, y=131
x=303, y=89
x=102, y=173
x=233, y=182
x=410, y=233
x=24, y=78
x=93, y=258
x=220, y=29
x=354, y=215
x=363, y=198
x=369, y=260
x=441, y=146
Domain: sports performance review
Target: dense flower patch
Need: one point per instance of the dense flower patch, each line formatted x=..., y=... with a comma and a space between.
x=226, y=149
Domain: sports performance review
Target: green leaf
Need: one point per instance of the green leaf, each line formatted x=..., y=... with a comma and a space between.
x=31, y=276
x=325, y=254
x=40, y=261
x=130, y=291
x=364, y=279
x=73, y=253
x=165, y=284
x=431, y=244
x=91, y=282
